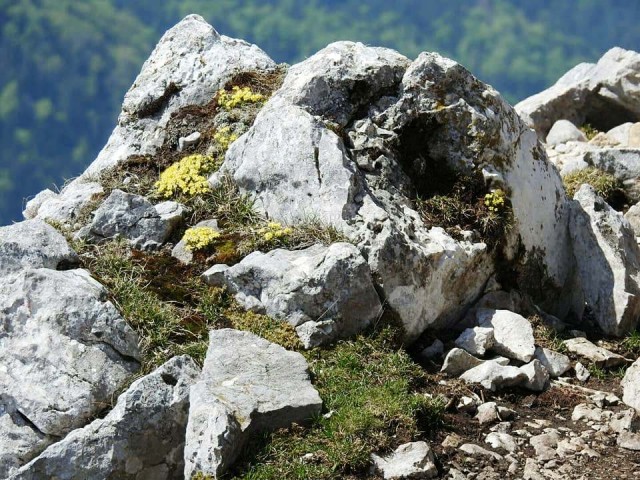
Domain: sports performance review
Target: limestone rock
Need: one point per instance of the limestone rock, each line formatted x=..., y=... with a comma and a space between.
x=188, y=66
x=537, y=376
x=459, y=361
x=248, y=385
x=626, y=135
x=34, y=244
x=512, y=333
x=494, y=377
x=133, y=217
x=608, y=261
x=582, y=374
x=476, y=340
x=629, y=441
x=297, y=167
x=435, y=350
x=142, y=437
x=487, y=413
x=564, y=131
x=413, y=460
x=478, y=451
x=502, y=440
x=605, y=94
x=633, y=217
x=555, y=363
x=631, y=386
x=33, y=205
x=597, y=355
x=325, y=292
x=60, y=373
x=68, y=204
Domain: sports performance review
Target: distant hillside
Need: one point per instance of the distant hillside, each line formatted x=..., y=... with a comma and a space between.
x=66, y=64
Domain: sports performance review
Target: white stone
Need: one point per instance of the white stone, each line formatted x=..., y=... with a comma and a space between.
x=503, y=441
x=476, y=340
x=556, y=363
x=564, y=131
x=411, y=460
x=595, y=354
x=537, y=376
x=513, y=334
x=631, y=386
x=493, y=376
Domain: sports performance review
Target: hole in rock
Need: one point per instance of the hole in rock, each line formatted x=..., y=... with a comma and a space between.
x=603, y=114
x=169, y=379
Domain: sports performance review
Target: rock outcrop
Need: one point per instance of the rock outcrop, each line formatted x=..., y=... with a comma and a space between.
x=190, y=63
x=407, y=128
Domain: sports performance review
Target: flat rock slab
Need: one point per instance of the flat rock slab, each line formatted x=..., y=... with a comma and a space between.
x=512, y=333
x=325, y=292
x=595, y=354
x=555, y=363
x=413, y=460
x=34, y=244
x=248, y=385
x=141, y=438
x=537, y=376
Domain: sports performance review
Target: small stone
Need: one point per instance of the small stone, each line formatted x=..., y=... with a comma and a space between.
x=476, y=340
x=537, y=376
x=502, y=440
x=184, y=142
x=452, y=441
x=493, y=376
x=626, y=420
x=564, y=131
x=631, y=386
x=487, y=413
x=466, y=404
x=555, y=363
x=411, y=460
x=582, y=374
x=545, y=445
x=597, y=355
x=629, y=440
x=513, y=334
x=459, y=361
x=477, y=451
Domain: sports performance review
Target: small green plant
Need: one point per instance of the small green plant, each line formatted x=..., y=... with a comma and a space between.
x=632, y=343
x=238, y=97
x=589, y=131
x=188, y=177
x=275, y=231
x=494, y=201
x=604, y=183
x=199, y=238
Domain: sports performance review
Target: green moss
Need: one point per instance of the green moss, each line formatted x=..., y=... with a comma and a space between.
x=605, y=184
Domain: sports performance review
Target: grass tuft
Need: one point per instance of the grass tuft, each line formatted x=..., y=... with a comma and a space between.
x=605, y=184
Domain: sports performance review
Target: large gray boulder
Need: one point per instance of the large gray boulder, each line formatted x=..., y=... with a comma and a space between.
x=64, y=348
x=133, y=217
x=354, y=135
x=605, y=95
x=608, y=262
x=248, y=385
x=188, y=66
x=325, y=292
x=141, y=438
x=34, y=244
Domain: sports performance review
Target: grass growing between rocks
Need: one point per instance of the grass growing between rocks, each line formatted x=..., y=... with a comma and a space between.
x=168, y=305
x=370, y=391
x=605, y=184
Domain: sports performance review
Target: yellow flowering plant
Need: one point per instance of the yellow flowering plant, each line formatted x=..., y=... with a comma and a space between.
x=495, y=200
x=275, y=231
x=188, y=176
x=224, y=138
x=237, y=97
x=199, y=238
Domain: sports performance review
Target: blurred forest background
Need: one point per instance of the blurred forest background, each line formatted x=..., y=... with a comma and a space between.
x=65, y=65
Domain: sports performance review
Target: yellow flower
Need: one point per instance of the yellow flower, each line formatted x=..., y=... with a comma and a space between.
x=237, y=97
x=224, y=138
x=199, y=238
x=495, y=200
x=187, y=176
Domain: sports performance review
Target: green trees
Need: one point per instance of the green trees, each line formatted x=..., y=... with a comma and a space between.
x=66, y=64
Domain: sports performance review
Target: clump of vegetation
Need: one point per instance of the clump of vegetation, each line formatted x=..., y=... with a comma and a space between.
x=274, y=231
x=631, y=344
x=370, y=389
x=589, y=131
x=223, y=138
x=469, y=207
x=546, y=336
x=188, y=177
x=238, y=96
x=199, y=238
x=605, y=184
